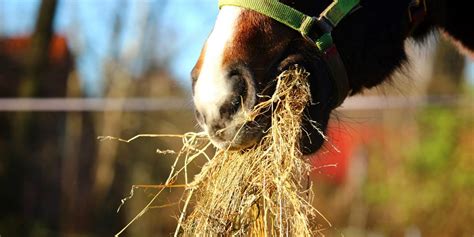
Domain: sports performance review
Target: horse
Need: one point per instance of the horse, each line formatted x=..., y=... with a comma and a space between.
x=248, y=47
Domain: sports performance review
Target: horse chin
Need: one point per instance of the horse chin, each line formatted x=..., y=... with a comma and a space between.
x=311, y=144
x=238, y=136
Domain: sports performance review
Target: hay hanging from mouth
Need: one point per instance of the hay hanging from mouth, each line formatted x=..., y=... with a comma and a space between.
x=261, y=191
x=264, y=190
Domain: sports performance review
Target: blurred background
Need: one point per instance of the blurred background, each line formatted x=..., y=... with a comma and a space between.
x=71, y=70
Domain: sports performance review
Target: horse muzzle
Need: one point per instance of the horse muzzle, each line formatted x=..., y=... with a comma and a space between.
x=223, y=102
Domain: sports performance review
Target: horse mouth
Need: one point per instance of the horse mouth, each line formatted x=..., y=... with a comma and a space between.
x=239, y=136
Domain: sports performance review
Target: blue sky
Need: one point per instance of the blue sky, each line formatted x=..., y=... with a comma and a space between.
x=87, y=24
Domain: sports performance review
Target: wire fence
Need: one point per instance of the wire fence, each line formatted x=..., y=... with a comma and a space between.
x=185, y=104
x=94, y=104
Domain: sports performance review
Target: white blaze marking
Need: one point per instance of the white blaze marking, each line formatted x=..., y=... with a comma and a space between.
x=212, y=88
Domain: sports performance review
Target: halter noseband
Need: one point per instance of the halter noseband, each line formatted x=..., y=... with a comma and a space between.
x=316, y=30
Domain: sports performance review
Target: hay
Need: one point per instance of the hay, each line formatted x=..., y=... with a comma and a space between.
x=264, y=190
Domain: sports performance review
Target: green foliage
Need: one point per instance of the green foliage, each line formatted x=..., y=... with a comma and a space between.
x=431, y=183
x=438, y=140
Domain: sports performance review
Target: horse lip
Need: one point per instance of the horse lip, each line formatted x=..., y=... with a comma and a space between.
x=229, y=145
x=236, y=137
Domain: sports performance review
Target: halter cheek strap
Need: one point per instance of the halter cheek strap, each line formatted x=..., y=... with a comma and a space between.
x=316, y=30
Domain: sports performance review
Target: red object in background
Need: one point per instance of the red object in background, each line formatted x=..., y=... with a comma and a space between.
x=17, y=47
x=332, y=164
x=13, y=61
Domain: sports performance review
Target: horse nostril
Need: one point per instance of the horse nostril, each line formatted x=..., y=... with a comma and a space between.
x=237, y=96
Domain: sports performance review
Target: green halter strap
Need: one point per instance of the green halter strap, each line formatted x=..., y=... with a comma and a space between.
x=306, y=25
x=296, y=19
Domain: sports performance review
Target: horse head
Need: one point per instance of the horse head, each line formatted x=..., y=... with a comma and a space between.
x=249, y=47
